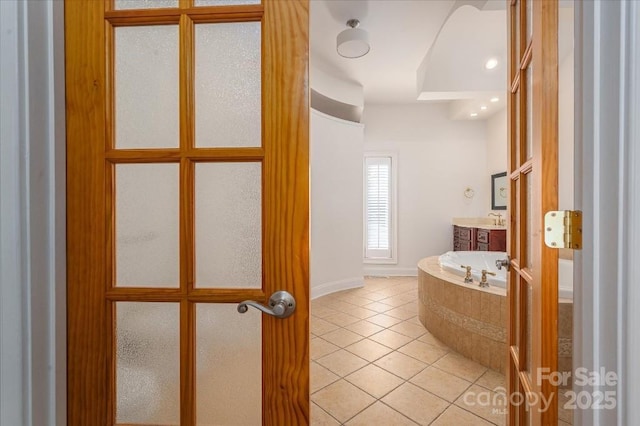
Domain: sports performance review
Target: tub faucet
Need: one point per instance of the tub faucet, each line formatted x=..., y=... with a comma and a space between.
x=499, y=221
x=483, y=281
x=500, y=263
x=467, y=277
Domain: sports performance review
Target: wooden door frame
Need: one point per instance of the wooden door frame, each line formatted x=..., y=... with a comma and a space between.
x=285, y=213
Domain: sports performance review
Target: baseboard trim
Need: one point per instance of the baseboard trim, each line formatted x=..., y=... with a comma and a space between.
x=390, y=272
x=333, y=286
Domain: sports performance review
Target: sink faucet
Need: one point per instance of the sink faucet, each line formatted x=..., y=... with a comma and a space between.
x=499, y=221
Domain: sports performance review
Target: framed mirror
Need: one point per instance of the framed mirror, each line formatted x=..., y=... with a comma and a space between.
x=499, y=191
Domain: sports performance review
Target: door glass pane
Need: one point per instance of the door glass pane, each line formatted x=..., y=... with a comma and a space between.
x=514, y=280
x=517, y=125
x=225, y=2
x=527, y=292
x=228, y=365
x=228, y=225
x=529, y=123
x=147, y=220
x=144, y=4
x=529, y=12
x=528, y=217
x=147, y=363
x=228, y=84
x=146, y=87
x=517, y=54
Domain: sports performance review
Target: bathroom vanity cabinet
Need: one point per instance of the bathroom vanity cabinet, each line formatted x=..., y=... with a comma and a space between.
x=471, y=239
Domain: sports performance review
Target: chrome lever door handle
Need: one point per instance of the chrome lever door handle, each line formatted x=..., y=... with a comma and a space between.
x=281, y=305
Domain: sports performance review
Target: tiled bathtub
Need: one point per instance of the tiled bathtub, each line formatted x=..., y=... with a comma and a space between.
x=473, y=321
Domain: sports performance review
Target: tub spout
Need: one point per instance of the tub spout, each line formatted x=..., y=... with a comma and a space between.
x=502, y=262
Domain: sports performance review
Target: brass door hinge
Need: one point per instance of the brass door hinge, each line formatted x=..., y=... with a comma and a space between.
x=563, y=229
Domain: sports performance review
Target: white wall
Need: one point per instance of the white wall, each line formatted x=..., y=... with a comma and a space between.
x=336, y=204
x=565, y=133
x=497, y=142
x=437, y=160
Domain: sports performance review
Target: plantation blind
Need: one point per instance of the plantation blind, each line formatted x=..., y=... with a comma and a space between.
x=378, y=207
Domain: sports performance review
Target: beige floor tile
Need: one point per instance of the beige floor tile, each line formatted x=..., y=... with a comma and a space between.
x=319, y=417
x=460, y=366
x=320, y=348
x=391, y=339
x=362, y=313
x=322, y=311
x=342, y=337
x=397, y=300
x=401, y=365
x=431, y=339
x=419, y=405
x=339, y=306
x=375, y=296
x=491, y=380
x=564, y=414
x=368, y=350
x=342, y=400
x=424, y=352
x=384, y=320
x=342, y=362
x=379, y=307
x=341, y=319
x=321, y=377
x=374, y=380
x=356, y=300
x=401, y=313
x=364, y=328
x=319, y=326
x=408, y=328
x=480, y=401
x=415, y=320
x=440, y=383
x=380, y=414
x=455, y=416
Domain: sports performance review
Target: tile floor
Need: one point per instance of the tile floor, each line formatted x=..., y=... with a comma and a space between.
x=374, y=363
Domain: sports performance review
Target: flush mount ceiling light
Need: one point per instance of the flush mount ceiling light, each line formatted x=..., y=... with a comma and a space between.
x=491, y=63
x=494, y=99
x=353, y=42
x=473, y=114
x=483, y=107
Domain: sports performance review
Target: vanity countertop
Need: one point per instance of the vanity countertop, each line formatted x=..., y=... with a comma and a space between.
x=477, y=222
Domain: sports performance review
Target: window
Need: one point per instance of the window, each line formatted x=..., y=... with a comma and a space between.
x=379, y=208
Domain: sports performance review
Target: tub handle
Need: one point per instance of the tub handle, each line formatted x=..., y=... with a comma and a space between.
x=467, y=277
x=483, y=281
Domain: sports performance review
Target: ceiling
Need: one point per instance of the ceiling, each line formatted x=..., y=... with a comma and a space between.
x=434, y=50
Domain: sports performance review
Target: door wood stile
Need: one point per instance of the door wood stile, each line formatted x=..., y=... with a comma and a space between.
x=286, y=192
x=512, y=355
x=86, y=234
x=545, y=195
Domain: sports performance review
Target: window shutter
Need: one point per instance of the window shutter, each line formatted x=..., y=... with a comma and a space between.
x=378, y=207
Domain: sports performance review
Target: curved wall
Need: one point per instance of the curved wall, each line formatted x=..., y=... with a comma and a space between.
x=336, y=204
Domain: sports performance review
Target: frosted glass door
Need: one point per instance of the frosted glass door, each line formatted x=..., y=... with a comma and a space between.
x=187, y=194
x=187, y=220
